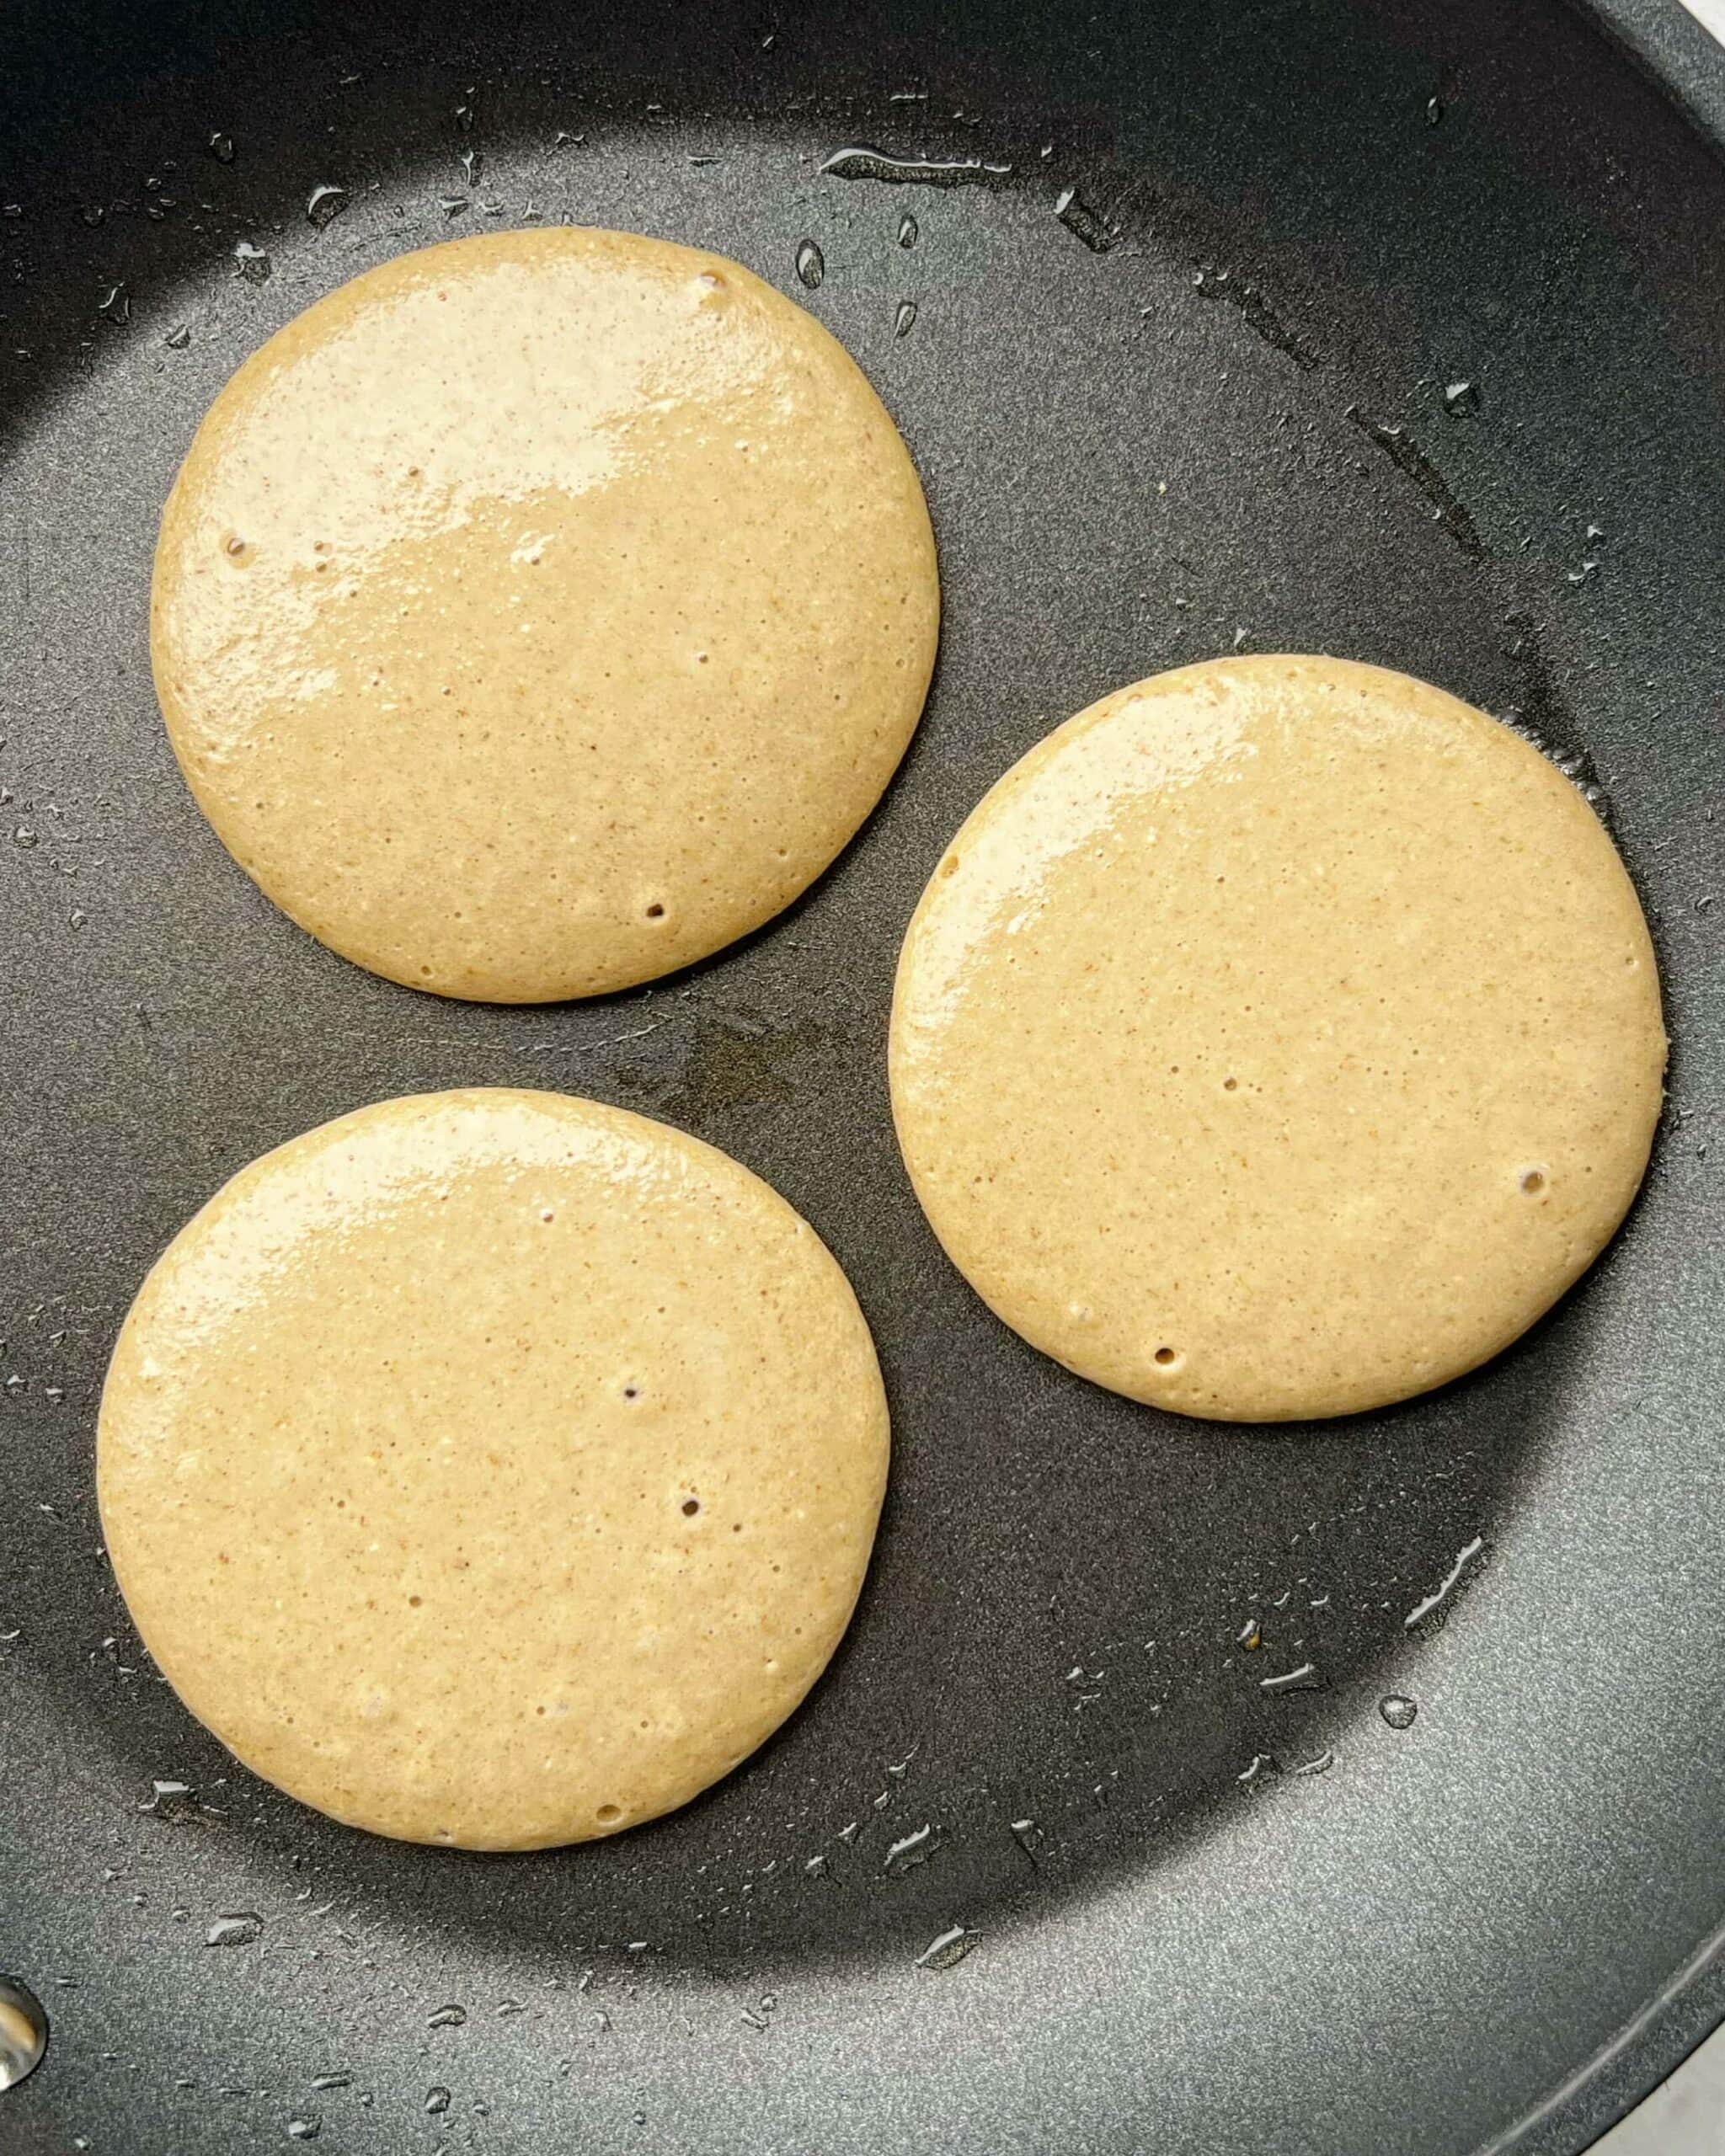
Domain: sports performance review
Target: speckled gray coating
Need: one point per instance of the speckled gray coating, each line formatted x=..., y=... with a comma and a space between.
x=1409, y=1953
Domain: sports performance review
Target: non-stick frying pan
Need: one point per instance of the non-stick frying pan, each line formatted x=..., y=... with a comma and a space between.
x=1391, y=331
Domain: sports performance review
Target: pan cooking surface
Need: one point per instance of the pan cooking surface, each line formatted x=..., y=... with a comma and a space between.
x=1395, y=335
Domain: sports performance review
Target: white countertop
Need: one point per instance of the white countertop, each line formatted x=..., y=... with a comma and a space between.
x=1686, y=2116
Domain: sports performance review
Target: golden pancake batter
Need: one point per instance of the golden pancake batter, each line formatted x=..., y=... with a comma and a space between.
x=1279, y=1038
x=541, y=612
x=492, y=1467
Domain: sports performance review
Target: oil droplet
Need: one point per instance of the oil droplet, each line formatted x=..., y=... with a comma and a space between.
x=907, y=230
x=1076, y=214
x=1029, y=1837
x=915, y=172
x=1303, y=1679
x=904, y=1855
x=946, y=1952
x=238, y=1930
x=251, y=264
x=24, y=2031
x=904, y=318
x=1464, y=1558
x=811, y=264
x=1398, y=1710
x=447, y=2017
x=325, y=204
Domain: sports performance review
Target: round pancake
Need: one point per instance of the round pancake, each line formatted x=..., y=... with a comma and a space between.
x=492, y=1467
x=1279, y=1038
x=541, y=612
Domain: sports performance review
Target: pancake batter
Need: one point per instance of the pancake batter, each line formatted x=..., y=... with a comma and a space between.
x=1279, y=1038
x=493, y=1468
x=540, y=611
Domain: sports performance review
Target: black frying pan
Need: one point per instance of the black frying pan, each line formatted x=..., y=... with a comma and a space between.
x=1295, y=230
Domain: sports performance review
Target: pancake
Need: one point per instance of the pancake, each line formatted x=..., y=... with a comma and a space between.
x=1279, y=1038
x=493, y=1468
x=541, y=612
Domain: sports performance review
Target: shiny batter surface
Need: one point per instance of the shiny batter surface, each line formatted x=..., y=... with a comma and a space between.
x=540, y=611
x=1279, y=1038
x=493, y=1468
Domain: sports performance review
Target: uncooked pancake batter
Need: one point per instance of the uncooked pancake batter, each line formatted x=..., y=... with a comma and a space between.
x=540, y=611
x=493, y=1468
x=1279, y=1038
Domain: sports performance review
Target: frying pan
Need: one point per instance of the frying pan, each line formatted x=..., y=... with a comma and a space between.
x=1395, y=332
